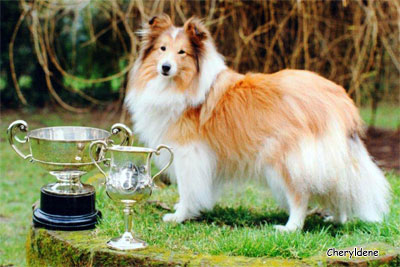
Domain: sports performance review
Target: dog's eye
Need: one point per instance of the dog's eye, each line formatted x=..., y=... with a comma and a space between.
x=163, y=48
x=181, y=52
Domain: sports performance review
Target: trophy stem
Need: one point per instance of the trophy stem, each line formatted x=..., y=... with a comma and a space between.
x=127, y=241
x=68, y=183
x=128, y=211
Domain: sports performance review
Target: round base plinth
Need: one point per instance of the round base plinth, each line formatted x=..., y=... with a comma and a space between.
x=66, y=212
x=65, y=223
x=126, y=242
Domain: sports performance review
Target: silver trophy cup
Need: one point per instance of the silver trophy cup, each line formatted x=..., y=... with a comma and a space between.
x=64, y=152
x=128, y=181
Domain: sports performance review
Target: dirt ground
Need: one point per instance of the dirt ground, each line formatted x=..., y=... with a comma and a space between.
x=384, y=146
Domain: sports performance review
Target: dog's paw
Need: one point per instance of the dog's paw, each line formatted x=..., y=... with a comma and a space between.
x=281, y=228
x=329, y=219
x=173, y=217
x=335, y=219
x=284, y=228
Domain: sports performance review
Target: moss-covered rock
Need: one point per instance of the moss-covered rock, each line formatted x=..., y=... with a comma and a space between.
x=85, y=248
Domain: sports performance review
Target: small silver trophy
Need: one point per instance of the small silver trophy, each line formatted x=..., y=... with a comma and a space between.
x=128, y=181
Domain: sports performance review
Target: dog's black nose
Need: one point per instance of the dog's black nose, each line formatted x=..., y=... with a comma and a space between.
x=166, y=67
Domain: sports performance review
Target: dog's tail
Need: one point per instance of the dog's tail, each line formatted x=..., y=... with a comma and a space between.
x=340, y=174
x=368, y=192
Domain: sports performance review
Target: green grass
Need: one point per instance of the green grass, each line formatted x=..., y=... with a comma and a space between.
x=387, y=116
x=240, y=225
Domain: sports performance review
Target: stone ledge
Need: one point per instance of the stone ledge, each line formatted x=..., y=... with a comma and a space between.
x=84, y=248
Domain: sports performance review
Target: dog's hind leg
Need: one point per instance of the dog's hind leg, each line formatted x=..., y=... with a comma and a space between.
x=288, y=198
x=298, y=204
x=194, y=167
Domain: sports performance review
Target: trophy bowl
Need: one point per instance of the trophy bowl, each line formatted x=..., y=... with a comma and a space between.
x=64, y=152
x=128, y=181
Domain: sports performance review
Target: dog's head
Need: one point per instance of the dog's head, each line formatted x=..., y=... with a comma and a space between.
x=170, y=51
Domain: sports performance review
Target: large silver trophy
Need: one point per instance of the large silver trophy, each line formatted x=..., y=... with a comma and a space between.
x=128, y=181
x=66, y=204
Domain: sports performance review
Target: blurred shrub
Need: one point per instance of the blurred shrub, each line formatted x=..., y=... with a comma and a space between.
x=77, y=53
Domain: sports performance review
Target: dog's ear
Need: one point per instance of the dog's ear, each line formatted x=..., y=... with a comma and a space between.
x=151, y=30
x=159, y=22
x=197, y=33
x=196, y=30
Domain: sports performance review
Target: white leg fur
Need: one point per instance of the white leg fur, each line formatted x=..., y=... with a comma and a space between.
x=194, y=167
x=277, y=187
x=297, y=214
x=297, y=209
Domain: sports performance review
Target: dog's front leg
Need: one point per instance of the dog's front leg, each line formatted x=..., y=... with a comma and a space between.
x=194, y=167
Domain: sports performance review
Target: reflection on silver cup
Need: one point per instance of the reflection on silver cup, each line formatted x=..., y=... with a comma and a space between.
x=64, y=152
x=128, y=181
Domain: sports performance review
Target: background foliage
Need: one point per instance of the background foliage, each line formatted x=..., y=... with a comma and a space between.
x=77, y=53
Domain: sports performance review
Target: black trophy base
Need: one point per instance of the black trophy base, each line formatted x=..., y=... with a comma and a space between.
x=66, y=212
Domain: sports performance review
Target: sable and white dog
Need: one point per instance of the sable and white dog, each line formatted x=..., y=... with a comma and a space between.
x=294, y=129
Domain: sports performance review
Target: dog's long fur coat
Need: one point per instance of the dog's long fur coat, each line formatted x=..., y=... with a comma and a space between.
x=294, y=129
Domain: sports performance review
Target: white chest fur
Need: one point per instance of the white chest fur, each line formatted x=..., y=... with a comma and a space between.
x=154, y=109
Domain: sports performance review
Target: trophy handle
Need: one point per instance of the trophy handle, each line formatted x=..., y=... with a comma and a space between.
x=128, y=138
x=23, y=127
x=102, y=143
x=157, y=152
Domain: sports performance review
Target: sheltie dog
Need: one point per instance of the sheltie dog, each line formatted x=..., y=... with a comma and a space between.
x=294, y=129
